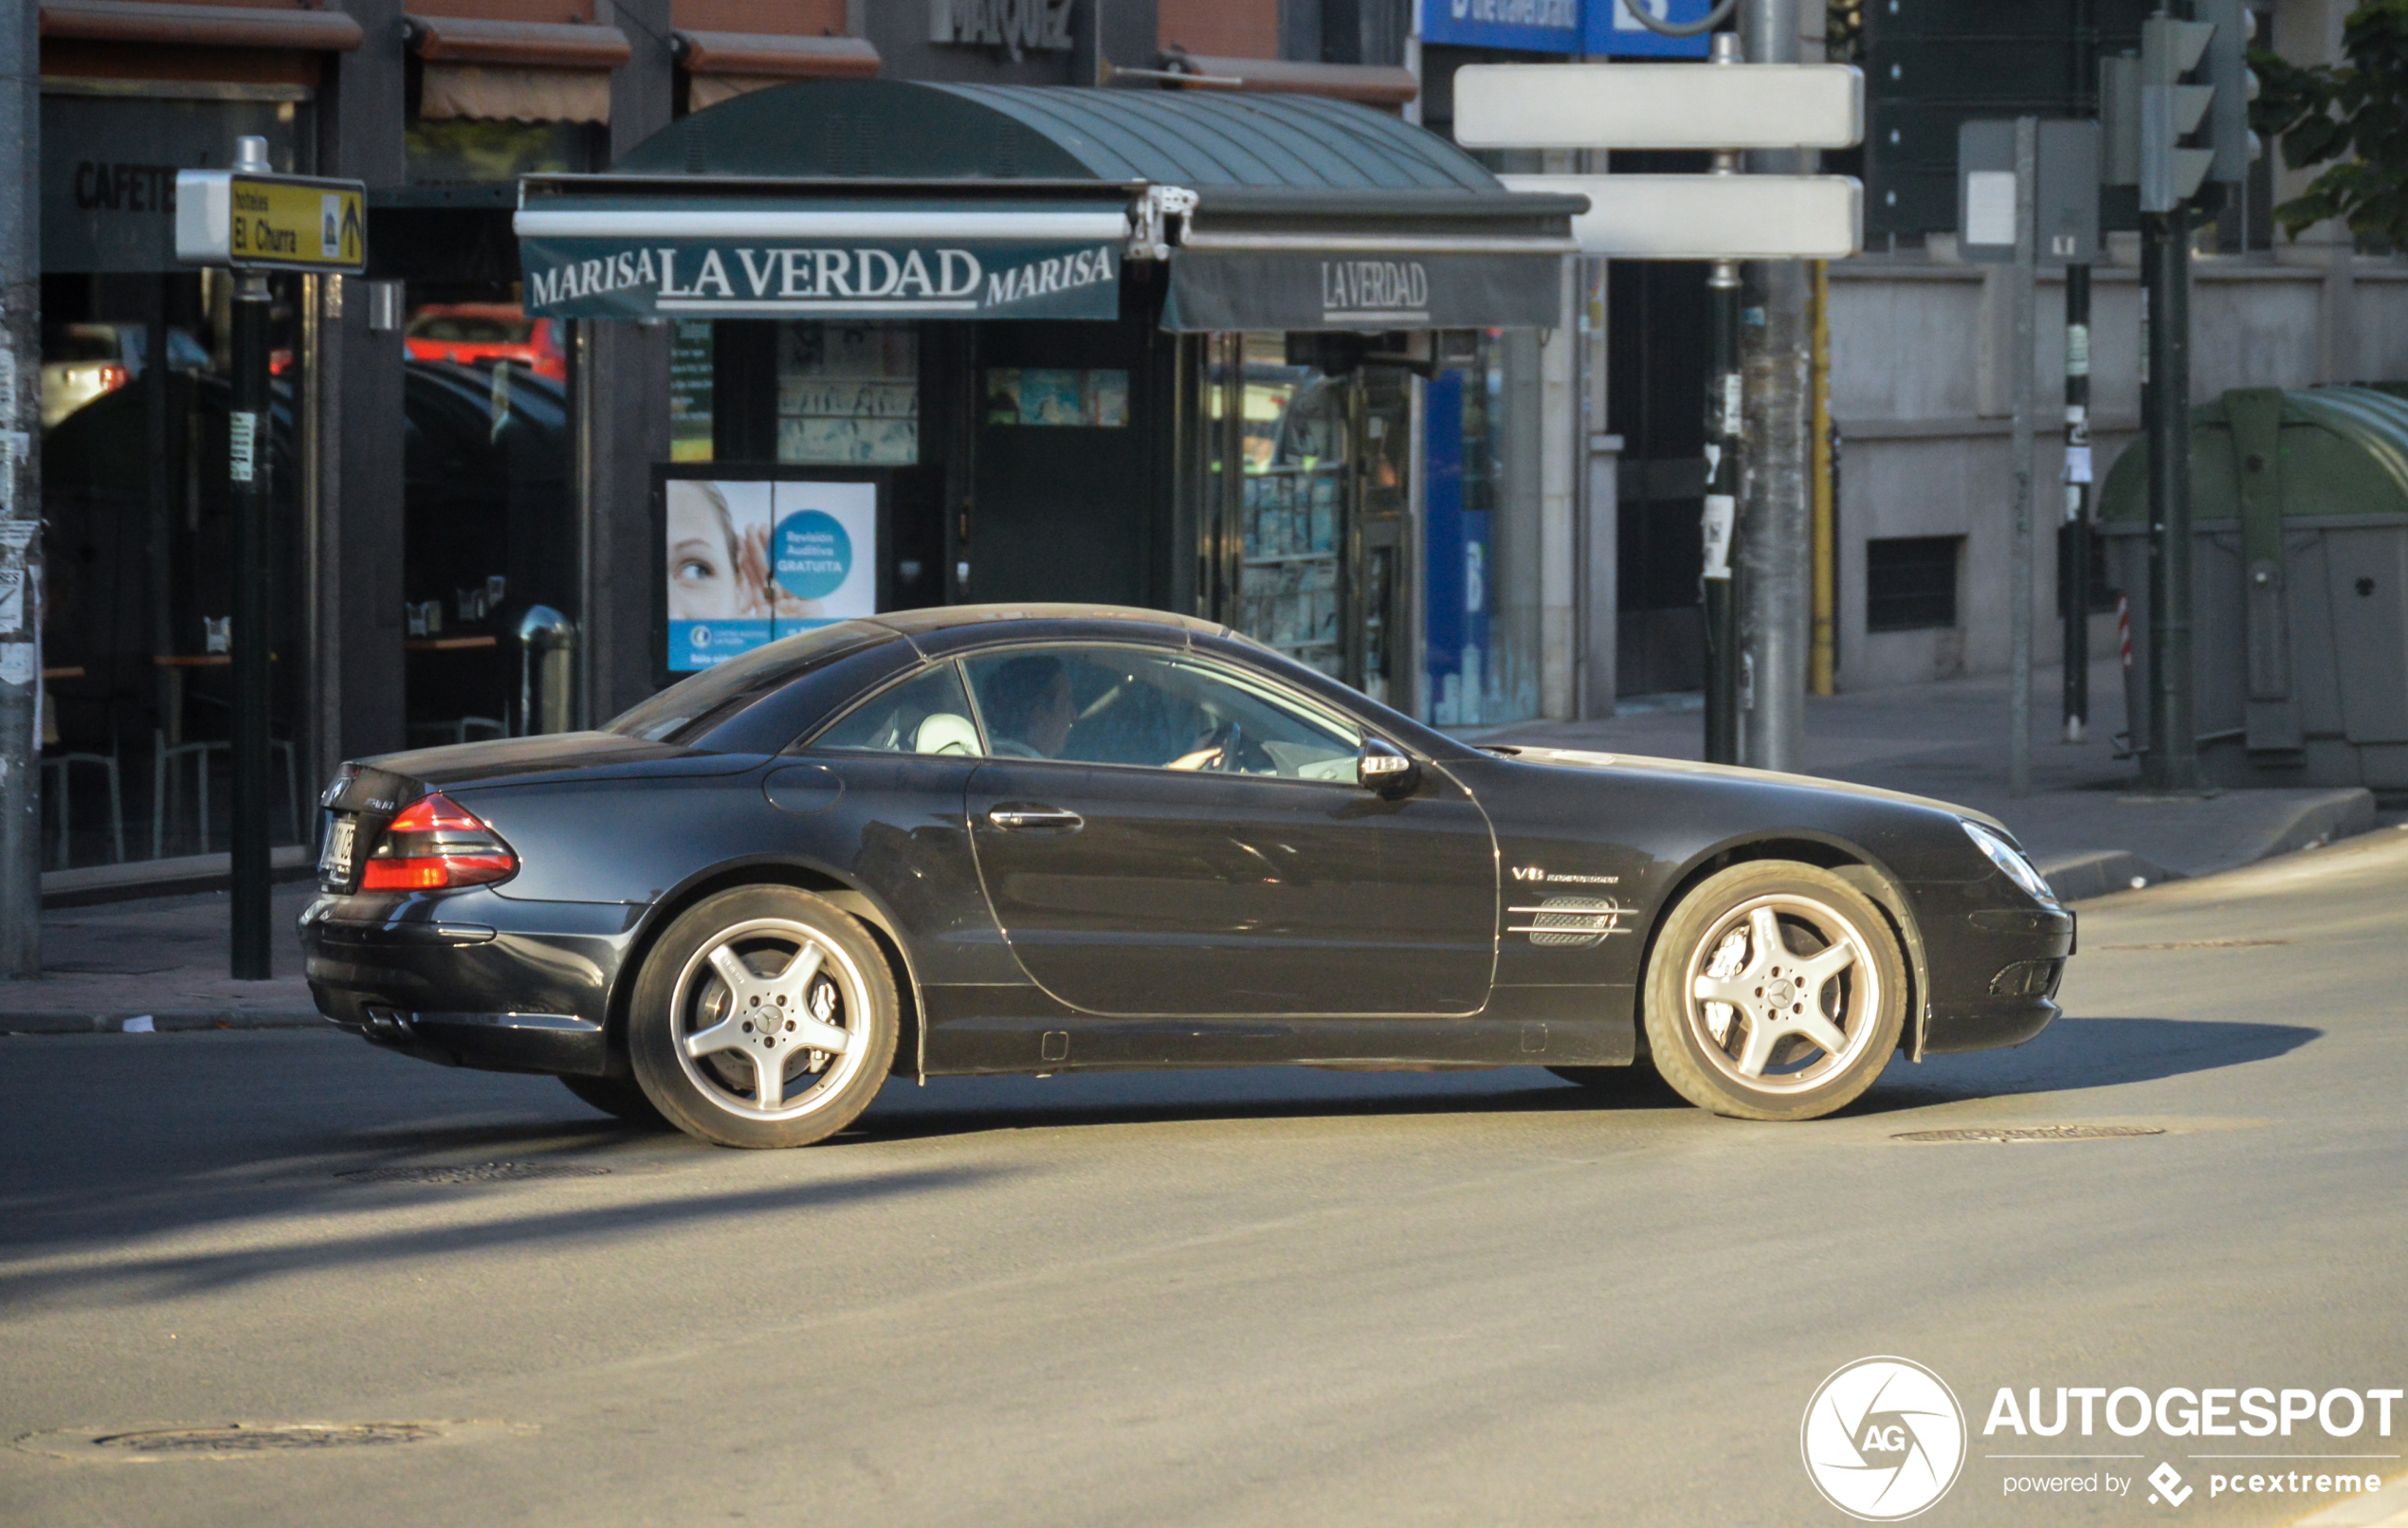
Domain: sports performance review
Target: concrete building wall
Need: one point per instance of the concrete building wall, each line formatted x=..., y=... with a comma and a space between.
x=1919, y=392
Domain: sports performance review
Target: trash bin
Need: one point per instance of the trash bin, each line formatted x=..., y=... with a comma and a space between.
x=2299, y=585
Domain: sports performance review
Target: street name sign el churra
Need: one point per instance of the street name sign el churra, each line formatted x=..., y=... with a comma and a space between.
x=258, y=222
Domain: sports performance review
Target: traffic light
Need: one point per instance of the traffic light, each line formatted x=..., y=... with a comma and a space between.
x=2171, y=110
x=2233, y=145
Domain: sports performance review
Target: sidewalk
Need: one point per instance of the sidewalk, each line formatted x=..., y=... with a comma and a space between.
x=2086, y=824
x=165, y=957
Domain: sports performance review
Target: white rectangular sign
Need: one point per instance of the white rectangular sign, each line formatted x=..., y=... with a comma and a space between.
x=1712, y=217
x=1659, y=105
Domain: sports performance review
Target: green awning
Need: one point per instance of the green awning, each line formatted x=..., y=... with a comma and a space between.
x=886, y=198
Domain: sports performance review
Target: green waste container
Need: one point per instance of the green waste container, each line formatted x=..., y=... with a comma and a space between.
x=2298, y=579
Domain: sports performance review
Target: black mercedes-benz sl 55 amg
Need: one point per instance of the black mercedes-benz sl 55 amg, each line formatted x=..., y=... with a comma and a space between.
x=1048, y=838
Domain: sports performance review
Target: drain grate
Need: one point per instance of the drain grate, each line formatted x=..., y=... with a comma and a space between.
x=473, y=1172
x=2016, y=1135
x=236, y=1438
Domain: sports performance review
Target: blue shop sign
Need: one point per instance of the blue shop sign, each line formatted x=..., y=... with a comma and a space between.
x=1611, y=30
x=1532, y=26
x=1598, y=28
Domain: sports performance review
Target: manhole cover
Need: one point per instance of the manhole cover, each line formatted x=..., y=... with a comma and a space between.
x=253, y=1440
x=473, y=1172
x=2197, y=944
x=239, y=1439
x=2016, y=1135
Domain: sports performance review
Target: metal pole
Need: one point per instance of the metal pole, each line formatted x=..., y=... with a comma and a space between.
x=1722, y=424
x=2024, y=384
x=20, y=490
x=2075, y=596
x=2084, y=61
x=248, y=459
x=1823, y=664
x=2172, y=760
x=1775, y=532
x=1722, y=414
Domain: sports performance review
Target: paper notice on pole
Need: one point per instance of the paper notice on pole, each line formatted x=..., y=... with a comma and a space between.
x=2077, y=463
x=8, y=383
x=16, y=662
x=1990, y=207
x=13, y=599
x=242, y=442
x=1722, y=511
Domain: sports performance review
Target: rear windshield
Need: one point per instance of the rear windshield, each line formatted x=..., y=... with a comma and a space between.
x=471, y=328
x=693, y=705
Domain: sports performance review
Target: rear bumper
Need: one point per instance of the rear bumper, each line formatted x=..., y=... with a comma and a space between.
x=471, y=979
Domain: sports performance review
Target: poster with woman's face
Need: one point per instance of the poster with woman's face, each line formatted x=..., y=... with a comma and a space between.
x=749, y=562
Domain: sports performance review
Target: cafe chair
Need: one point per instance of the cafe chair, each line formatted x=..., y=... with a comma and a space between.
x=167, y=770
x=57, y=775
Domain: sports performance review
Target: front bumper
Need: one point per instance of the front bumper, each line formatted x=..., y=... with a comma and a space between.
x=1993, y=973
x=472, y=979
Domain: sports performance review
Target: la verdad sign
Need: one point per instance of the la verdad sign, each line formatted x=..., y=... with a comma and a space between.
x=576, y=278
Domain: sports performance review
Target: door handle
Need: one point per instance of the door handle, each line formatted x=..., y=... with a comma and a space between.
x=1036, y=817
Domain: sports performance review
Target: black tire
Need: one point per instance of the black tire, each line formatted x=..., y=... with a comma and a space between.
x=621, y=1098
x=760, y=1013
x=1772, y=1059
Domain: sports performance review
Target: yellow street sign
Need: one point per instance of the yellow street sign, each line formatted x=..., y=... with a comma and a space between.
x=251, y=222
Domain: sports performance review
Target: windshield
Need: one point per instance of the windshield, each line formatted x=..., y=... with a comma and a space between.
x=694, y=705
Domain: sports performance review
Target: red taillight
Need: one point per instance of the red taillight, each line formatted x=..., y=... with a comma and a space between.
x=437, y=813
x=436, y=843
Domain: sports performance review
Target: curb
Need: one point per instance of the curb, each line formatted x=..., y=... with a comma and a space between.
x=2337, y=814
x=2079, y=877
x=162, y=1023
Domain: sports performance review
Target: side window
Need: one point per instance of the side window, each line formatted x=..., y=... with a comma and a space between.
x=1125, y=706
x=927, y=715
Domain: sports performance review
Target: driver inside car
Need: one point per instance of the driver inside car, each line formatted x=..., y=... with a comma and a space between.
x=1031, y=710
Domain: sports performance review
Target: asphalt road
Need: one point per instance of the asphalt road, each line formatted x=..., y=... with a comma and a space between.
x=1220, y=1298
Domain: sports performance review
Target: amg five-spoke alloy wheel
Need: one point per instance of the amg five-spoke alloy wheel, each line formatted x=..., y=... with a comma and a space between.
x=1775, y=991
x=765, y=1017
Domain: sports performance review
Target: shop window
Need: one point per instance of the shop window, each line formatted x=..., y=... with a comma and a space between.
x=1481, y=564
x=1910, y=583
x=849, y=394
x=690, y=388
x=468, y=152
x=1292, y=505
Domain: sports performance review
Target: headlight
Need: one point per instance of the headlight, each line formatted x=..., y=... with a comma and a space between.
x=2008, y=858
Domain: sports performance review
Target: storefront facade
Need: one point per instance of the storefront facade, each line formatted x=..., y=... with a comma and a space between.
x=137, y=586
x=1166, y=349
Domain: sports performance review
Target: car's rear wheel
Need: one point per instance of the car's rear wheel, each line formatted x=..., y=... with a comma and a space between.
x=620, y=1097
x=765, y=1017
x=1775, y=992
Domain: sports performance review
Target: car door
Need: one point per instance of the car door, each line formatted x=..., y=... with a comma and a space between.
x=1160, y=834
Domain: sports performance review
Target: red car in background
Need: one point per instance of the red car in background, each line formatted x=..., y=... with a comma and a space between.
x=476, y=334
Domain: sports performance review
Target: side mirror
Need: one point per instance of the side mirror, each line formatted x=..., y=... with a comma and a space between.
x=1379, y=766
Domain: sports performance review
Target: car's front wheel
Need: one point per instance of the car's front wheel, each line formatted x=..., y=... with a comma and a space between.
x=1775, y=992
x=765, y=1017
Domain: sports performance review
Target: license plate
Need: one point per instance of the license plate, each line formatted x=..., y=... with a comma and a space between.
x=333, y=863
